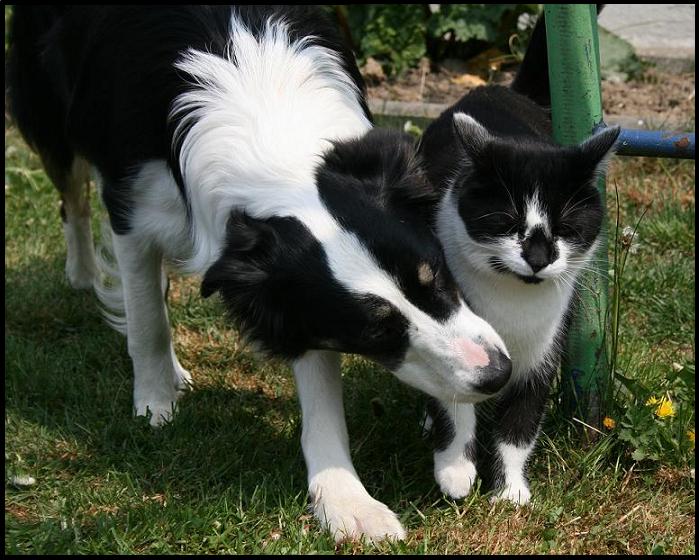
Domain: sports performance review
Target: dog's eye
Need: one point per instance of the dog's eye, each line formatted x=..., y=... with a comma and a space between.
x=390, y=331
x=382, y=311
x=385, y=323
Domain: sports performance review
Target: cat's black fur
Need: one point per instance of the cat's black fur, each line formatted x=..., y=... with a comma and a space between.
x=507, y=252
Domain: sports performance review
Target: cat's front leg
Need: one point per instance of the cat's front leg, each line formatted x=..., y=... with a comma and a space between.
x=453, y=427
x=513, y=422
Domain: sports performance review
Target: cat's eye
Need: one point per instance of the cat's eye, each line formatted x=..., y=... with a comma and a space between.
x=493, y=224
x=567, y=230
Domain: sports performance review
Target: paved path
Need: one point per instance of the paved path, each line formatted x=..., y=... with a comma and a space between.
x=654, y=30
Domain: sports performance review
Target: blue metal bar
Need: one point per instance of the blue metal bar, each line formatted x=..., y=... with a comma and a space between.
x=654, y=143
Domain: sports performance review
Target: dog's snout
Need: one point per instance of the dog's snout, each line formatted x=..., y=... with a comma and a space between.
x=471, y=353
x=496, y=374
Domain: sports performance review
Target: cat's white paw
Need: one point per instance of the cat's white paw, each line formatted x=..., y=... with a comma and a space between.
x=455, y=477
x=349, y=513
x=518, y=493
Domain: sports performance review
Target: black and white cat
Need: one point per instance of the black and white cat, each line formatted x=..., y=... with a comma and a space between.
x=519, y=218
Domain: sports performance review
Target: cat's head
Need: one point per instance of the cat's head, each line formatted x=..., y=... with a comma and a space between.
x=530, y=209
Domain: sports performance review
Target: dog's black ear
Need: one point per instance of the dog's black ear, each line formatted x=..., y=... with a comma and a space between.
x=389, y=161
x=408, y=186
x=263, y=277
x=241, y=266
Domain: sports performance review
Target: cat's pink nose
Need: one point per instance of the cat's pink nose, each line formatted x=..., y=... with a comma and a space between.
x=471, y=354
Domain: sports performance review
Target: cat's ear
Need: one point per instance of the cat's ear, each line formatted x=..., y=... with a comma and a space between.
x=598, y=149
x=472, y=135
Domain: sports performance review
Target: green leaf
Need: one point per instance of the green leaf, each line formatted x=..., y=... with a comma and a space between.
x=393, y=34
x=638, y=455
x=632, y=385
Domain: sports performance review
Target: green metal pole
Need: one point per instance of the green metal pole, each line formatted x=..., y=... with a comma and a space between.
x=576, y=105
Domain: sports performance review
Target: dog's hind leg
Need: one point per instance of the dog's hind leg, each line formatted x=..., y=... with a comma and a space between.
x=73, y=183
x=157, y=372
x=339, y=500
x=38, y=100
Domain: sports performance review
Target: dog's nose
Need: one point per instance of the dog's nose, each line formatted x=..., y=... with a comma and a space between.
x=471, y=353
x=496, y=374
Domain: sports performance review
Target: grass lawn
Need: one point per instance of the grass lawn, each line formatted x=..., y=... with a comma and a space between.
x=227, y=475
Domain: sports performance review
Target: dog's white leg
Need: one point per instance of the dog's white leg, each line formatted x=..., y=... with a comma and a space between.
x=454, y=430
x=183, y=379
x=75, y=213
x=340, y=501
x=156, y=369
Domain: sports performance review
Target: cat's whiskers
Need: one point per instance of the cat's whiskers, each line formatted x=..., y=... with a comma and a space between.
x=560, y=284
x=576, y=231
x=565, y=282
x=507, y=190
x=574, y=282
x=592, y=270
x=566, y=210
x=493, y=214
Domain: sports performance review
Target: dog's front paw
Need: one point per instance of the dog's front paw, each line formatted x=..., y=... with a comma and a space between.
x=349, y=513
x=518, y=493
x=161, y=411
x=182, y=378
x=455, y=477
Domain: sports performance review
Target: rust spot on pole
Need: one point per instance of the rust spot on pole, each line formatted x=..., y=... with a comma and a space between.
x=682, y=143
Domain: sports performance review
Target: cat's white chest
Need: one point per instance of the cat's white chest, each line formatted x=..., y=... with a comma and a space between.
x=527, y=317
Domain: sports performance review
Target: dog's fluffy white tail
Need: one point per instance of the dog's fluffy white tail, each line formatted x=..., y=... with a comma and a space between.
x=107, y=283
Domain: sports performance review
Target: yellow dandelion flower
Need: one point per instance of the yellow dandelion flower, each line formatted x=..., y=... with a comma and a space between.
x=665, y=409
x=651, y=401
x=690, y=436
x=609, y=423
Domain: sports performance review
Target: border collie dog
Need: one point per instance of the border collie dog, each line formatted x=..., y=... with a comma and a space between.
x=235, y=143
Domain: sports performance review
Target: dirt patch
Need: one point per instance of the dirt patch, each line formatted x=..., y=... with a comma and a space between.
x=658, y=96
x=662, y=95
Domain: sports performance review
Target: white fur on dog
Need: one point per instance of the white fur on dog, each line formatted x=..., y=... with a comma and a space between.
x=339, y=499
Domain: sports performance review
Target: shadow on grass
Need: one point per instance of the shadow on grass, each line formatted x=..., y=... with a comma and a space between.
x=68, y=379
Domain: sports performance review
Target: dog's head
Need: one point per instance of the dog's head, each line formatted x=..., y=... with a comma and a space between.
x=359, y=270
